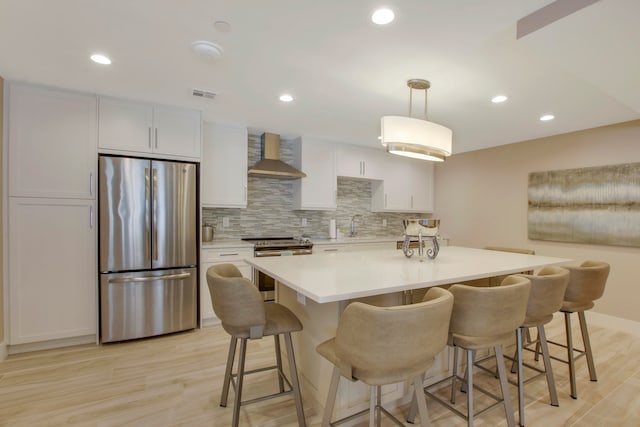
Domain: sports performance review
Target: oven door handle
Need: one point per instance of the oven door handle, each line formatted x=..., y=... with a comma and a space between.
x=281, y=252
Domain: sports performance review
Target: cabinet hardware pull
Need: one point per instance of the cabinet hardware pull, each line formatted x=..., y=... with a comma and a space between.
x=91, y=184
x=236, y=254
x=149, y=138
x=156, y=138
x=331, y=250
x=364, y=168
x=91, y=217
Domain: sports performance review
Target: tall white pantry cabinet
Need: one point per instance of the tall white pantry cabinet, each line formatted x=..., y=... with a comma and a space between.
x=52, y=143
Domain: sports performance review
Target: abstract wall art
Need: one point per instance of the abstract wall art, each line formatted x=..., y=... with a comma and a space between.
x=596, y=205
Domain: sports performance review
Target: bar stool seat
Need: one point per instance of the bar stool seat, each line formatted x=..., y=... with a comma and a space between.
x=244, y=315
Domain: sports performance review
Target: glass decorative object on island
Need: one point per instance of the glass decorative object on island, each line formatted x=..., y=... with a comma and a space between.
x=424, y=230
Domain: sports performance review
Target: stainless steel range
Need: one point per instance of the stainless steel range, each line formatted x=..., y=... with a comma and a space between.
x=275, y=246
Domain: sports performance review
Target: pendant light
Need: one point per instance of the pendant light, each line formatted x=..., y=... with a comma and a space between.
x=416, y=138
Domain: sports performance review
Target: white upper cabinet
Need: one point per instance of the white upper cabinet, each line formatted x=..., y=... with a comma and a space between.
x=223, y=170
x=137, y=127
x=355, y=162
x=407, y=186
x=52, y=143
x=318, y=190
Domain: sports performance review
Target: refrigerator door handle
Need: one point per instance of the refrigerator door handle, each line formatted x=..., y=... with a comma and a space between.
x=150, y=278
x=147, y=219
x=154, y=220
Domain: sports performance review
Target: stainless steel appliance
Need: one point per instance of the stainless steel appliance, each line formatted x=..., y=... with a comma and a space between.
x=148, y=247
x=275, y=246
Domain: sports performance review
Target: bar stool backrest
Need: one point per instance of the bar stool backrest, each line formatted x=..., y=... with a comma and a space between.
x=388, y=344
x=487, y=312
x=236, y=301
x=586, y=282
x=548, y=288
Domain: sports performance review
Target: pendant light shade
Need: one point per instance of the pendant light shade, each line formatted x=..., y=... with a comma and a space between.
x=416, y=138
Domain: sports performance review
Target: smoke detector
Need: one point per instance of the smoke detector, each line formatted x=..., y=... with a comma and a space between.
x=206, y=49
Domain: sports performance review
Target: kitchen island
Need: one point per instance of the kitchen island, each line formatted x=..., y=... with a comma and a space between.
x=318, y=287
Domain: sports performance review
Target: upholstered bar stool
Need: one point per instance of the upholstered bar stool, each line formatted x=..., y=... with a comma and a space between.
x=545, y=298
x=244, y=315
x=586, y=284
x=386, y=345
x=483, y=318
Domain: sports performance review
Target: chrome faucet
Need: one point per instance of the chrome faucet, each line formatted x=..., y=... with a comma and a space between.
x=353, y=225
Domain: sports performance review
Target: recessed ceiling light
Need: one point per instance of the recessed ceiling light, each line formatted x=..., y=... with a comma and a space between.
x=286, y=98
x=382, y=16
x=547, y=117
x=100, y=59
x=207, y=49
x=498, y=99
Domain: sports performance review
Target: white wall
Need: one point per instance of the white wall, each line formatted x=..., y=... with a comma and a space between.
x=481, y=199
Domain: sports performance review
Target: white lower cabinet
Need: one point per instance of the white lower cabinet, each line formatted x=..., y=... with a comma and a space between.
x=211, y=257
x=52, y=269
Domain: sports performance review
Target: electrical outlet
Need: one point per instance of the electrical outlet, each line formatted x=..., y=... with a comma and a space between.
x=303, y=222
x=384, y=222
x=301, y=298
x=225, y=221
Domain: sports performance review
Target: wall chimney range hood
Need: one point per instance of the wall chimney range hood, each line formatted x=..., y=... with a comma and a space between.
x=271, y=166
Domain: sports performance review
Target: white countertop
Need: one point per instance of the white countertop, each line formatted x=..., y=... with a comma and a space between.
x=329, y=277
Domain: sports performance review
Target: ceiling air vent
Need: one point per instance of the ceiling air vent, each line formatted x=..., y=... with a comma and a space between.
x=203, y=94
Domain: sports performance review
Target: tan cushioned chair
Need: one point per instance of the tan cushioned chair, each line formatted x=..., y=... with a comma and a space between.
x=386, y=345
x=483, y=318
x=244, y=315
x=586, y=284
x=545, y=298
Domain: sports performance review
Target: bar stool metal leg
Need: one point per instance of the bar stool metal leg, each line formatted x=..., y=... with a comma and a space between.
x=227, y=373
x=470, y=387
x=572, y=366
x=455, y=375
x=331, y=397
x=504, y=386
x=295, y=384
x=547, y=365
x=520, y=344
x=587, y=346
x=239, y=379
x=276, y=340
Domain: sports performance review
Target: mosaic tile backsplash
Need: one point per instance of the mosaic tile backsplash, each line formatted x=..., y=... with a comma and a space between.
x=269, y=211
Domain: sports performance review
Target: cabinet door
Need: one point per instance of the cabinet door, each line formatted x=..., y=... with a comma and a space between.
x=356, y=162
x=52, y=143
x=232, y=256
x=421, y=177
x=394, y=192
x=125, y=125
x=317, y=190
x=52, y=269
x=223, y=171
x=177, y=132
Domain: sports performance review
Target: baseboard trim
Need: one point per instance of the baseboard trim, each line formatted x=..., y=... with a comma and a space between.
x=606, y=321
x=48, y=345
x=210, y=321
x=3, y=351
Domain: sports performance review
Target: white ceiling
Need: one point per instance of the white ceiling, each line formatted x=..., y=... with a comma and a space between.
x=344, y=72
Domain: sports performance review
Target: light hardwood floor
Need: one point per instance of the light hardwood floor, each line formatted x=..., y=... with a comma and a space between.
x=176, y=381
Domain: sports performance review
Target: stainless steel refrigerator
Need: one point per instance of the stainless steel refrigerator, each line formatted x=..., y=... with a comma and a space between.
x=148, y=247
